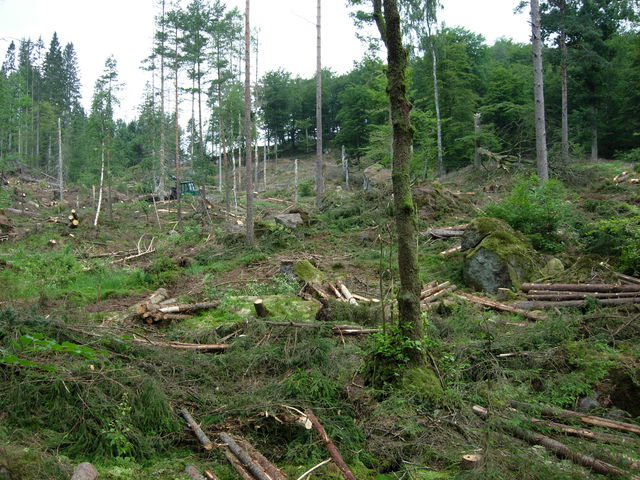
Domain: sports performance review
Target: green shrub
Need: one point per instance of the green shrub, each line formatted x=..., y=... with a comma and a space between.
x=619, y=237
x=540, y=210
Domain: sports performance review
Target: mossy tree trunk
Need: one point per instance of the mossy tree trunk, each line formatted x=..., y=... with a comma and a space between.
x=387, y=19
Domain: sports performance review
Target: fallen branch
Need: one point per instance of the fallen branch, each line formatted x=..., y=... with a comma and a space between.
x=197, y=431
x=560, y=296
x=589, y=419
x=627, y=278
x=580, y=287
x=450, y=251
x=209, y=475
x=555, y=447
x=336, y=329
x=500, y=306
x=312, y=469
x=584, y=432
x=444, y=232
x=199, y=347
x=331, y=448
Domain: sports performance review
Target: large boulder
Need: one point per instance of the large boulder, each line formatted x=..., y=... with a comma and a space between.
x=497, y=256
x=289, y=220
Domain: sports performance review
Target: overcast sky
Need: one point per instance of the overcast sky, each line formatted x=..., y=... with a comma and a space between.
x=124, y=29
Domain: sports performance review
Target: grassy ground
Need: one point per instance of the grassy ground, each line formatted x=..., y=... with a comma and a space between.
x=76, y=387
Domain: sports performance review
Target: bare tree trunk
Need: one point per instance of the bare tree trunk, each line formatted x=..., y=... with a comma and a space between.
x=319, y=159
x=264, y=165
x=177, y=130
x=565, y=97
x=248, y=130
x=476, y=131
x=538, y=93
x=436, y=100
x=594, y=133
x=162, y=190
x=95, y=220
x=295, y=181
x=60, y=169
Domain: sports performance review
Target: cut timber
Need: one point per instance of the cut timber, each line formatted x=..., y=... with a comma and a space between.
x=450, y=251
x=589, y=419
x=158, y=296
x=261, y=310
x=627, y=278
x=336, y=329
x=580, y=287
x=209, y=475
x=85, y=471
x=247, y=462
x=200, y=347
x=443, y=232
x=542, y=305
x=331, y=448
x=433, y=289
x=500, y=306
x=365, y=299
x=559, y=449
x=202, y=437
x=335, y=291
x=585, y=433
x=559, y=296
x=433, y=297
x=189, y=308
x=270, y=469
x=235, y=463
x=193, y=473
x=347, y=294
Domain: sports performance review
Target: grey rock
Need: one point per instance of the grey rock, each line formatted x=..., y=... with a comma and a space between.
x=289, y=220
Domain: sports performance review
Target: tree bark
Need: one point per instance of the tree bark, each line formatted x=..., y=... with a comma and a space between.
x=476, y=134
x=410, y=321
x=436, y=101
x=60, y=169
x=248, y=130
x=564, y=146
x=177, y=127
x=247, y=462
x=319, y=158
x=500, y=306
x=197, y=431
x=538, y=93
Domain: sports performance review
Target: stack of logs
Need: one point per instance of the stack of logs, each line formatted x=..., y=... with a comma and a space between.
x=159, y=307
x=433, y=291
x=74, y=222
x=551, y=295
x=340, y=292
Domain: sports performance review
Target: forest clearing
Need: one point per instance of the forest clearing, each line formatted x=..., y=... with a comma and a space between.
x=426, y=268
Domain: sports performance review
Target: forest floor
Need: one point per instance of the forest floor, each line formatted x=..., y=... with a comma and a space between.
x=82, y=378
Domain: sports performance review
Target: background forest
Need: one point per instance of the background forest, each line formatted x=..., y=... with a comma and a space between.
x=197, y=64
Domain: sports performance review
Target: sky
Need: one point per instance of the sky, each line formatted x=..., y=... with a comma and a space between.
x=287, y=35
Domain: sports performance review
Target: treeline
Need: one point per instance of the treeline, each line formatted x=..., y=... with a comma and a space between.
x=195, y=68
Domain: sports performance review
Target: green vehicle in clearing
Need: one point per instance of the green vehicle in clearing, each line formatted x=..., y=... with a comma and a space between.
x=187, y=188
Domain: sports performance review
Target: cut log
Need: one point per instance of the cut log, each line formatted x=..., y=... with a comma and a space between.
x=559, y=296
x=589, y=419
x=235, y=463
x=331, y=448
x=580, y=287
x=544, y=305
x=158, y=296
x=443, y=232
x=347, y=294
x=261, y=310
x=193, y=473
x=585, y=433
x=335, y=291
x=450, y=251
x=500, y=306
x=470, y=461
x=434, y=289
x=437, y=295
x=247, y=462
x=627, y=278
x=270, y=469
x=85, y=471
x=365, y=299
x=199, y=347
x=197, y=431
x=558, y=448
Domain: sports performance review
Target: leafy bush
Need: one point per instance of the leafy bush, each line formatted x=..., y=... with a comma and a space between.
x=540, y=210
x=619, y=236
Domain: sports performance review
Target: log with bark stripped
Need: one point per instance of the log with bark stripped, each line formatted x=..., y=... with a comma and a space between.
x=347, y=294
x=500, y=306
x=431, y=289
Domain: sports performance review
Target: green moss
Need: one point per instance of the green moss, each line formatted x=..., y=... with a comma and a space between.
x=308, y=273
x=424, y=384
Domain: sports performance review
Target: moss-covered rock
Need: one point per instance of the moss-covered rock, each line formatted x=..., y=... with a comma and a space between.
x=497, y=256
x=306, y=272
x=433, y=202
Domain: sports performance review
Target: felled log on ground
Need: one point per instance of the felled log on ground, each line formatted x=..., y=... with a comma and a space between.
x=347, y=294
x=556, y=447
x=237, y=466
x=445, y=232
x=580, y=287
x=270, y=469
x=331, y=448
x=158, y=308
x=209, y=475
x=585, y=432
x=335, y=329
x=560, y=296
x=439, y=294
x=431, y=289
x=193, y=473
x=85, y=471
x=543, y=305
x=500, y=306
x=244, y=458
x=197, y=431
x=627, y=279
x=450, y=251
x=199, y=347
x=589, y=419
